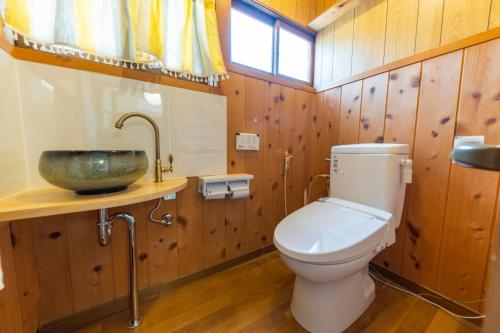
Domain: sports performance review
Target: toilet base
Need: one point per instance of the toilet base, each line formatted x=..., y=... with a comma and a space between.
x=331, y=307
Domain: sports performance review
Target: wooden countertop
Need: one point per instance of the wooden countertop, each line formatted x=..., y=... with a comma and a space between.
x=54, y=201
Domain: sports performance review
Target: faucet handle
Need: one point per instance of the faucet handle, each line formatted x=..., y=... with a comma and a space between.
x=170, y=167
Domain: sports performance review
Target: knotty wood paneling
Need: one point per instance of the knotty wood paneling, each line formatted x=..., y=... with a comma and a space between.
x=287, y=100
x=56, y=288
x=369, y=35
x=330, y=117
x=472, y=193
x=400, y=32
x=433, y=142
x=162, y=243
x=462, y=18
x=190, y=217
x=91, y=266
x=350, y=107
x=234, y=90
x=315, y=136
x=23, y=236
x=272, y=155
x=215, y=232
x=10, y=309
x=254, y=123
x=373, y=102
x=302, y=106
x=402, y=99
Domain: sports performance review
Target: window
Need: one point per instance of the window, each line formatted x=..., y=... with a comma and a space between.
x=263, y=41
x=295, y=56
x=251, y=41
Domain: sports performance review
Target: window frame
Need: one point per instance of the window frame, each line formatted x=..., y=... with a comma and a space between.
x=277, y=21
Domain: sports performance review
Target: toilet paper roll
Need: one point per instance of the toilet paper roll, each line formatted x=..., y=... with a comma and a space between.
x=241, y=193
x=239, y=189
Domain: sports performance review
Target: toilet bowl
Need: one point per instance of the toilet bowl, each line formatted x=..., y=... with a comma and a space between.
x=329, y=243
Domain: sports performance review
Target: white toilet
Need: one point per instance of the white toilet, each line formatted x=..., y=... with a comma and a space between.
x=329, y=243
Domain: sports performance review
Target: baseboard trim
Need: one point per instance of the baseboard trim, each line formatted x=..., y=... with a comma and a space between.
x=84, y=318
x=446, y=303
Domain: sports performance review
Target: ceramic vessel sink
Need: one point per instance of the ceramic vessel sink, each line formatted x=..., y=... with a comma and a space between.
x=93, y=172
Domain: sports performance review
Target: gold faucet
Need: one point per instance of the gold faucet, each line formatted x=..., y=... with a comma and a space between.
x=159, y=169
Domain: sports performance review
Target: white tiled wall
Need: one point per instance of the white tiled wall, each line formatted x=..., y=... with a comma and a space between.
x=69, y=109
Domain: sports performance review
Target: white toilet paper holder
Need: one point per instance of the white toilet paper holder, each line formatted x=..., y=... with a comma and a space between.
x=218, y=186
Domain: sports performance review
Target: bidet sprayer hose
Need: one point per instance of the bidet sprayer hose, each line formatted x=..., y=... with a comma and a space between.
x=323, y=175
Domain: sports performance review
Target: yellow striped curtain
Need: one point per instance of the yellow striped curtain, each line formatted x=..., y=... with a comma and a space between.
x=178, y=37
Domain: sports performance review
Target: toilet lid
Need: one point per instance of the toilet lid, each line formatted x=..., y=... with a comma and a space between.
x=331, y=230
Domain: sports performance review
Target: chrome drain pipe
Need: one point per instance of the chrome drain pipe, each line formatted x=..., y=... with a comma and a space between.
x=104, y=228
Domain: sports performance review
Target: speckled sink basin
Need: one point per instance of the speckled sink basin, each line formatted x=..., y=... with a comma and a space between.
x=94, y=171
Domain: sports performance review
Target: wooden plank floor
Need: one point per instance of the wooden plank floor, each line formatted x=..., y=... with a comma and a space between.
x=255, y=297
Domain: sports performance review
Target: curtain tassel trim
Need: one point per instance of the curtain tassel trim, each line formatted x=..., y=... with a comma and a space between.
x=151, y=63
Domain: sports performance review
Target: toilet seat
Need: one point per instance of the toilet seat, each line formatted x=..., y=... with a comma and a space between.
x=332, y=231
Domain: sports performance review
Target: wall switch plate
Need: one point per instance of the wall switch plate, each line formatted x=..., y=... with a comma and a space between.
x=468, y=139
x=247, y=141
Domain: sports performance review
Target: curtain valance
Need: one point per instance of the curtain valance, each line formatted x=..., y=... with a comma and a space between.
x=178, y=37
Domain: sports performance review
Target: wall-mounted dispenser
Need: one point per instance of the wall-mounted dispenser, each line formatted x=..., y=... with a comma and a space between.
x=217, y=187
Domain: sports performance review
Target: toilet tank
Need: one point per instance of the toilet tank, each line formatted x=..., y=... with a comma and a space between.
x=371, y=174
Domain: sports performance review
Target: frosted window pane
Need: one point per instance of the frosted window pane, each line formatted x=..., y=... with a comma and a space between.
x=251, y=41
x=294, y=56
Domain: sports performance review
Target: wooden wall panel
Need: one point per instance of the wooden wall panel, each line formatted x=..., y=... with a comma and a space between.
x=10, y=309
x=400, y=31
x=254, y=123
x=287, y=102
x=272, y=155
x=494, y=14
x=327, y=57
x=330, y=129
x=91, y=265
x=190, y=217
x=215, y=232
x=318, y=59
x=162, y=243
x=342, y=41
x=302, y=106
x=385, y=31
x=433, y=142
x=472, y=193
x=51, y=240
x=402, y=99
x=234, y=90
x=26, y=260
x=369, y=35
x=303, y=12
x=463, y=18
x=373, y=102
x=429, y=24
x=289, y=8
x=350, y=107
x=314, y=138
x=404, y=84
